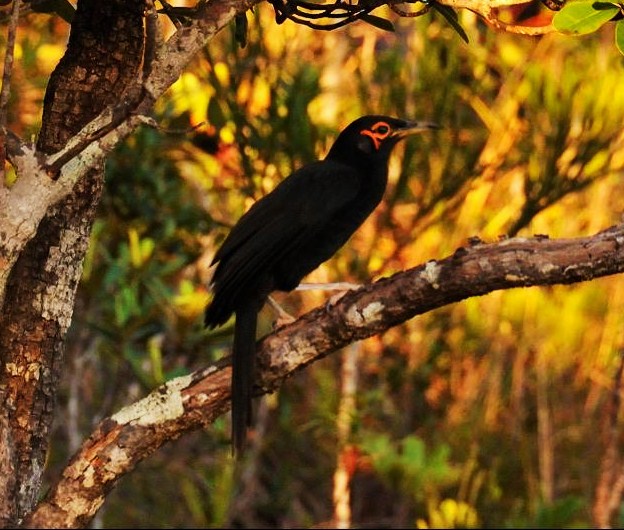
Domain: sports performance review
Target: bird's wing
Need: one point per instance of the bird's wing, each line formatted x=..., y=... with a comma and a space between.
x=306, y=199
x=280, y=223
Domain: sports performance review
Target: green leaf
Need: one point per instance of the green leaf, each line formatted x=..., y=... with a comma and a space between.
x=585, y=16
x=378, y=22
x=414, y=453
x=451, y=17
x=126, y=304
x=619, y=36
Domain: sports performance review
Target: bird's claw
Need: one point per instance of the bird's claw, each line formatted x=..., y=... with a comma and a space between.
x=283, y=317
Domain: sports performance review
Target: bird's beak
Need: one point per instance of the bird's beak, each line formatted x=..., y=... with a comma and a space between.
x=414, y=127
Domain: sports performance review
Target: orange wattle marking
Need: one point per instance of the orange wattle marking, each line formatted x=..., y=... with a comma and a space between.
x=375, y=137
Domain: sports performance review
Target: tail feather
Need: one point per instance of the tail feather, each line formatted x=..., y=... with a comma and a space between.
x=243, y=365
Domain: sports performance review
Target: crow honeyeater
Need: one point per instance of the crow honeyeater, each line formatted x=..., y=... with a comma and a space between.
x=290, y=232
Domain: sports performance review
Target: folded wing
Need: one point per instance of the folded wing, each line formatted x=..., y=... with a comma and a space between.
x=300, y=210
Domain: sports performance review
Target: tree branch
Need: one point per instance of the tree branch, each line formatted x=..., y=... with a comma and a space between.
x=332, y=15
x=23, y=206
x=185, y=403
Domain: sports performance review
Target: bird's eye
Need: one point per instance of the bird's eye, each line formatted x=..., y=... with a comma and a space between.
x=378, y=133
x=382, y=129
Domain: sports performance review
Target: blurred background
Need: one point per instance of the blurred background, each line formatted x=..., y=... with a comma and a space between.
x=499, y=411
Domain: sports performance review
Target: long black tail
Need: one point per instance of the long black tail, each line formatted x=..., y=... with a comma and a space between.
x=243, y=364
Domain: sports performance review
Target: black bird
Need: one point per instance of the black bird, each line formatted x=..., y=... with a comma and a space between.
x=290, y=232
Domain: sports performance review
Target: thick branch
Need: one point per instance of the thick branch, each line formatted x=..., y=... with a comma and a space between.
x=189, y=402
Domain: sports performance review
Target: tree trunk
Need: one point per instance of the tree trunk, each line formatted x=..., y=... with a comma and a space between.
x=103, y=55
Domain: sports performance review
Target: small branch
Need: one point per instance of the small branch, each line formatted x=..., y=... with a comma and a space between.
x=491, y=17
x=333, y=286
x=481, y=5
x=339, y=13
x=153, y=39
x=163, y=64
x=120, y=442
x=24, y=205
x=95, y=131
x=172, y=57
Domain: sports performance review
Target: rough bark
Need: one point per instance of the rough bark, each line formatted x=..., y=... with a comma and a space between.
x=120, y=442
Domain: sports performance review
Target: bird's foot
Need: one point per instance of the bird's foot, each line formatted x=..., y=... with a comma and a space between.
x=333, y=286
x=333, y=299
x=283, y=317
x=343, y=287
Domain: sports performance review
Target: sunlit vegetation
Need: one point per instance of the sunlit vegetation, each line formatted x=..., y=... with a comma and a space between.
x=493, y=412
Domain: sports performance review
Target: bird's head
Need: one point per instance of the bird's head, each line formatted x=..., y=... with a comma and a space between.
x=375, y=136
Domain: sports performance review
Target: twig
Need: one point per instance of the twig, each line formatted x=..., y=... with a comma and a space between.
x=153, y=38
x=102, y=125
x=308, y=13
x=532, y=31
x=339, y=13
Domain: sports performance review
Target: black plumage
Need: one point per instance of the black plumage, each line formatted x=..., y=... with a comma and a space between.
x=290, y=232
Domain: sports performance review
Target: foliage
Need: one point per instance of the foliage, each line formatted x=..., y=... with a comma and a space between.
x=484, y=413
x=566, y=512
x=581, y=17
x=408, y=466
x=451, y=514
